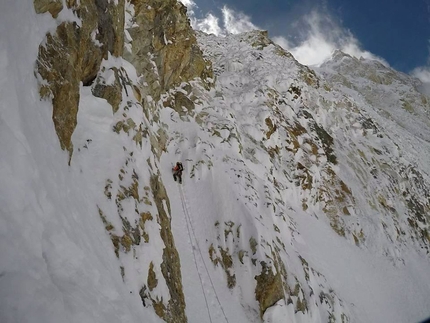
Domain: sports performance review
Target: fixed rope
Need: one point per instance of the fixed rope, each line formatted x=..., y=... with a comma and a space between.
x=188, y=219
x=194, y=255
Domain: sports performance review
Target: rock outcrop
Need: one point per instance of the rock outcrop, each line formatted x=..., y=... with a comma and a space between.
x=158, y=41
x=163, y=46
x=143, y=58
x=73, y=54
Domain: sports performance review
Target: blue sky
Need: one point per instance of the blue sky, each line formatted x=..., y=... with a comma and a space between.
x=394, y=31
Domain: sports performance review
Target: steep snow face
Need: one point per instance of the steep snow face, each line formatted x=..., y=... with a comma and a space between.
x=399, y=115
x=394, y=95
x=301, y=181
x=56, y=262
x=302, y=199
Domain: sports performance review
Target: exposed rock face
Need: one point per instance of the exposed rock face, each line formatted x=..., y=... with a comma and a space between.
x=52, y=6
x=163, y=37
x=58, y=68
x=298, y=146
x=73, y=54
x=111, y=92
x=269, y=288
x=170, y=267
x=163, y=49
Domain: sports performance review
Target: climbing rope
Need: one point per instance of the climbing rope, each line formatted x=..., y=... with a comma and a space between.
x=190, y=224
x=194, y=255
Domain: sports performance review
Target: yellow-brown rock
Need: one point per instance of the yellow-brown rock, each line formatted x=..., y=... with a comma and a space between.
x=269, y=289
x=112, y=92
x=52, y=6
x=163, y=35
x=165, y=53
x=171, y=266
x=56, y=65
x=73, y=54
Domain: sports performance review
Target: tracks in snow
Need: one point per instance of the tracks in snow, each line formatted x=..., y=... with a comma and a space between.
x=197, y=254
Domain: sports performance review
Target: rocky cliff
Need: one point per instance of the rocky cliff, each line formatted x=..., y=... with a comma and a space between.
x=159, y=43
x=156, y=38
x=305, y=194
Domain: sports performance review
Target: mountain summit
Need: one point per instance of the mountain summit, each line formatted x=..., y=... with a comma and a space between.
x=305, y=194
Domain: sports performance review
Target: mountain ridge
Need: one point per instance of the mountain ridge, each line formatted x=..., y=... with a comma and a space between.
x=305, y=193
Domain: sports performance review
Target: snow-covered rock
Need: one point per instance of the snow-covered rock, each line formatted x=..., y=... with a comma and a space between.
x=305, y=195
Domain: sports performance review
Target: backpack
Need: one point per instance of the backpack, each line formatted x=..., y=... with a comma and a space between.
x=181, y=168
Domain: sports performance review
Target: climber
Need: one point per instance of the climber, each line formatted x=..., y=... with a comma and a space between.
x=177, y=172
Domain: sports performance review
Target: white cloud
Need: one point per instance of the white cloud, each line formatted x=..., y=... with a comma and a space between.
x=209, y=25
x=422, y=73
x=316, y=37
x=312, y=51
x=231, y=22
x=320, y=36
x=190, y=4
x=236, y=22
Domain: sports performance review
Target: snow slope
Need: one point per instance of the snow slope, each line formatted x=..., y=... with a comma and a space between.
x=304, y=190
x=383, y=280
x=53, y=261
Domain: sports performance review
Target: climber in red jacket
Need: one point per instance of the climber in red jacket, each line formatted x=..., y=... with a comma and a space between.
x=177, y=172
